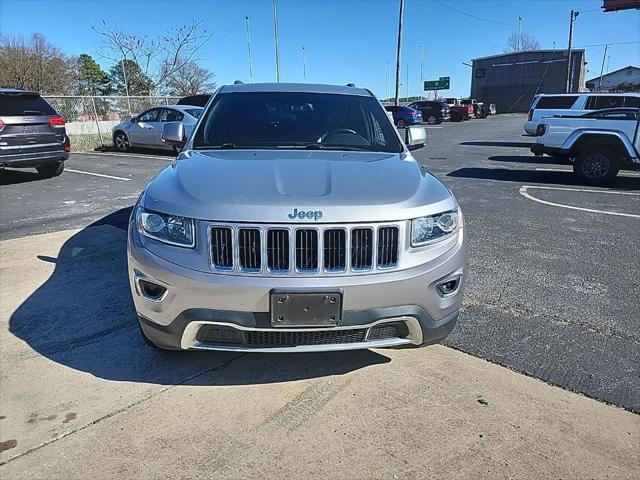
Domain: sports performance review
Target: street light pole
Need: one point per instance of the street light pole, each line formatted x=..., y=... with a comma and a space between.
x=399, y=52
x=247, y=18
x=572, y=18
x=275, y=33
x=519, y=39
x=388, y=82
x=304, y=64
x=407, y=82
x=421, y=70
x=602, y=67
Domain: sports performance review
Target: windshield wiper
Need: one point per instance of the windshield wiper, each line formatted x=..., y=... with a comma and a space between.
x=229, y=145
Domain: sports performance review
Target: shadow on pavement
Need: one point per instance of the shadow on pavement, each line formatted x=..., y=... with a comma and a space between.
x=83, y=317
x=12, y=177
x=545, y=160
x=499, y=144
x=535, y=176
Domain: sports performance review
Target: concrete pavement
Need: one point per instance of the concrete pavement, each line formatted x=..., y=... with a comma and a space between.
x=82, y=397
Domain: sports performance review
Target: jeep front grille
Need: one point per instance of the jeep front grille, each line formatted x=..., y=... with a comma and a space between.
x=306, y=250
x=361, y=248
x=222, y=248
x=335, y=248
x=278, y=250
x=249, y=249
x=321, y=250
x=387, y=247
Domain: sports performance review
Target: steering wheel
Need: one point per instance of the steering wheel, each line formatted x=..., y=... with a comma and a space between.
x=338, y=131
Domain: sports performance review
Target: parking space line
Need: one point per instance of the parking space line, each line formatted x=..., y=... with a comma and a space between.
x=624, y=174
x=524, y=193
x=133, y=155
x=97, y=174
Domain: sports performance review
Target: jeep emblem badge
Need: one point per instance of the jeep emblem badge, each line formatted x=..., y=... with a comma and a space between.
x=314, y=215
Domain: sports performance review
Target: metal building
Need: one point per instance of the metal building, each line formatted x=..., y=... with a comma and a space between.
x=512, y=79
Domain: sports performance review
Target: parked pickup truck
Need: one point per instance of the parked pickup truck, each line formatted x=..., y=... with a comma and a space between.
x=459, y=112
x=480, y=110
x=598, y=143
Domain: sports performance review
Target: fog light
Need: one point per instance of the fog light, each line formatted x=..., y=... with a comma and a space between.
x=152, y=291
x=449, y=286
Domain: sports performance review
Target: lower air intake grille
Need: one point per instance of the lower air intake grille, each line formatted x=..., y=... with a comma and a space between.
x=388, y=330
x=221, y=248
x=292, y=339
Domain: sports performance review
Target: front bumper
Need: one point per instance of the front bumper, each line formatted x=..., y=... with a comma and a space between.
x=195, y=300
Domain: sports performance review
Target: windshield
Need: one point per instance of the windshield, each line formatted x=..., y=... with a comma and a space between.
x=194, y=112
x=12, y=105
x=296, y=120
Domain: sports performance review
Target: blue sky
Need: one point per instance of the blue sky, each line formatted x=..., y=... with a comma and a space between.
x=346, y=41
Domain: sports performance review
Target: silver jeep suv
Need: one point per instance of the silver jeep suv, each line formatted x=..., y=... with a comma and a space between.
x=295, y=219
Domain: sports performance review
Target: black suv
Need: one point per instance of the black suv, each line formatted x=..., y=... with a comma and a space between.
x=32, y=134
x=433, y=111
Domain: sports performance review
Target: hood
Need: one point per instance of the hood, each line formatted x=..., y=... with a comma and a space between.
x=275, y=186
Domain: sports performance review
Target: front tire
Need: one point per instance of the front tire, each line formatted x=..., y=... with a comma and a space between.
x=50, y=170
x=432, y=120
x=121, y=141
x=596, y=166
x=401, y=123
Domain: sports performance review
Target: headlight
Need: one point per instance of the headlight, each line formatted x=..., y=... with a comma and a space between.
x=170, y=229
x=434, y=227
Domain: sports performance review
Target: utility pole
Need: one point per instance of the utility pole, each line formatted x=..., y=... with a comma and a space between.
x=399, y=51
x=421, y=70
x=304, y=64
x=388, y=79
x=275, y=33
x=602, y=67
x=572, y=18
x=407, y=82
x=247, y=18
x=519, y=39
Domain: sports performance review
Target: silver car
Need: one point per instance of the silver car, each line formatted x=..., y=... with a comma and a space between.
x=145, y=130
x=295, y=219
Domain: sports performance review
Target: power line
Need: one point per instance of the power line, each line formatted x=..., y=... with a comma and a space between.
x=471, y=15
x=604, y=44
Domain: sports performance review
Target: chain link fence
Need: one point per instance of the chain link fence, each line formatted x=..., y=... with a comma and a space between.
x=90, y=119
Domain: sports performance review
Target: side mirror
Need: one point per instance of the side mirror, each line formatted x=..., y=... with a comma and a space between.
x=415, y=137
x=133, y=119
x=173, y=134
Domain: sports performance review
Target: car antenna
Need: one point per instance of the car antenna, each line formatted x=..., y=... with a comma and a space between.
x=238, y=82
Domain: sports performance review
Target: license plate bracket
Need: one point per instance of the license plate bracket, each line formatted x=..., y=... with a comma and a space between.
x=294, y=309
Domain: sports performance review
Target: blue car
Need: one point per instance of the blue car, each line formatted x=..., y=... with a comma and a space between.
x=403, y=116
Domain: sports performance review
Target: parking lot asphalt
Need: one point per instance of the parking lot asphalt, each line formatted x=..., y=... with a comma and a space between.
x=552, y=293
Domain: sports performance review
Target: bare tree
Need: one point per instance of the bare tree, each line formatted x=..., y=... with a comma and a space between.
x=521, y=42
x=158, y=58
x=190, y=80
x=36, y=64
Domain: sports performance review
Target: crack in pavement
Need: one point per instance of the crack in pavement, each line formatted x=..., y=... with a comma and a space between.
x=220, y=367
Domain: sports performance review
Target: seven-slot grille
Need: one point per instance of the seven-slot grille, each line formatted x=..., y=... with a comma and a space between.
x=278, y=250
x=249, y=249
x=335, y=250
x=304, y=250
x=222, y=248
